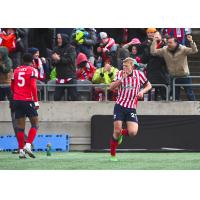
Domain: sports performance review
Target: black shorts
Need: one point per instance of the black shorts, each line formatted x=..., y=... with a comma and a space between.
x=124, y=114
x=24, y=109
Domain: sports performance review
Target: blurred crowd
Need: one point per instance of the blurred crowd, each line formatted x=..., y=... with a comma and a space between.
x=94, y=56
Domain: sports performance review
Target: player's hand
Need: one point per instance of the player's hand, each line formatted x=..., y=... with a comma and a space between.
x=37, y=106
x=124, y=75
x=141, y=95
x=189, y=37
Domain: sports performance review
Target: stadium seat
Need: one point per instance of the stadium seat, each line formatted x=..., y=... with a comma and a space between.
x=51, y=90
x=84, y=92
x=40, y=89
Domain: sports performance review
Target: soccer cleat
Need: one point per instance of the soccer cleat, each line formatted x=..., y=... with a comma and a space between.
x=28, y=150
x=15, y=152
x=113, y=159
x=120, y=139
x=22, y=155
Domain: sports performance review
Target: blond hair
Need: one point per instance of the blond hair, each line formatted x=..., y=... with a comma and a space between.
x=129, y=59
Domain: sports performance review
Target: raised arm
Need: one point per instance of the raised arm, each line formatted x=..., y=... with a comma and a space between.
x=193, y=47
x=154, y=51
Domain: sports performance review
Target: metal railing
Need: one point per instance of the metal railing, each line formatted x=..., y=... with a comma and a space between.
x=166, y=88
x=104, y=86
x=174, y=85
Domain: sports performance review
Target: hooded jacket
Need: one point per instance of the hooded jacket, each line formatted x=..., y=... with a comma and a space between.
x=5, y=67
x=87, y=71
x=65, y=68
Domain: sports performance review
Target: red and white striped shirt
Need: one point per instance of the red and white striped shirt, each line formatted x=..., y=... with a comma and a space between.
x=110, y=43
x=129, y=89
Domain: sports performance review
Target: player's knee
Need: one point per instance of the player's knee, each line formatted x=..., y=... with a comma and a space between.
x=132, y=133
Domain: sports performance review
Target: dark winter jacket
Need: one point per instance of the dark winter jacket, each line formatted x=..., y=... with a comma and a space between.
x=22, y=39
x=5, y=67
x=156, y=66
x=65, y=68
x=88, y=44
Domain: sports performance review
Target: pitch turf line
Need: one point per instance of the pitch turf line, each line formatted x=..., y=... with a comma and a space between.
x=79, y=160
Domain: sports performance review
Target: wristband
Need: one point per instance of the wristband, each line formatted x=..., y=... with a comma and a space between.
x=37, y=104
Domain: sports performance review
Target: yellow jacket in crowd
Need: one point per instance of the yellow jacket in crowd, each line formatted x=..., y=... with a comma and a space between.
x=105, y=75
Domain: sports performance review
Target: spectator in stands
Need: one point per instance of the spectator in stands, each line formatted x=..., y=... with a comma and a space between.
x=63, y=58
x=135, y=51
x=53, y=74
x=40, y=64
x=105, y=75
x=85, y=69
x=121, y=54
x=5, y=78
x=179, y=33
x=5, y=74
x=134, y=41
x=175, y=56
x=156, y=69
x=145, y=46
x=155, y=66
x=13, y=39
x=85, y=39
x=8, y=37
x=107, y=48
x=122, y=35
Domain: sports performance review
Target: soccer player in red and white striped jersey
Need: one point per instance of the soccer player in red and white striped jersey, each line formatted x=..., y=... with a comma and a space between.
x=131, y=85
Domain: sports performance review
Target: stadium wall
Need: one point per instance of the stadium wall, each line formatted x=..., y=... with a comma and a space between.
x=74, y=117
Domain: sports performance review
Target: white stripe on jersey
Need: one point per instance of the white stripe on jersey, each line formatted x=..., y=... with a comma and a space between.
x=128, y=93
x=131, y=103
x=129, y=89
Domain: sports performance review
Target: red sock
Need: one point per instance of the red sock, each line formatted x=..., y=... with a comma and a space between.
x=20, y=138
x=31, y=135
x=113, y=147
x=124, y=132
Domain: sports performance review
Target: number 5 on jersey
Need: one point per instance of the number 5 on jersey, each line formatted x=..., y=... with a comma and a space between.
x=21, y=79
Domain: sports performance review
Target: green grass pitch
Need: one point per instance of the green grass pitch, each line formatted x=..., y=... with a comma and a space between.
x=90, y=161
